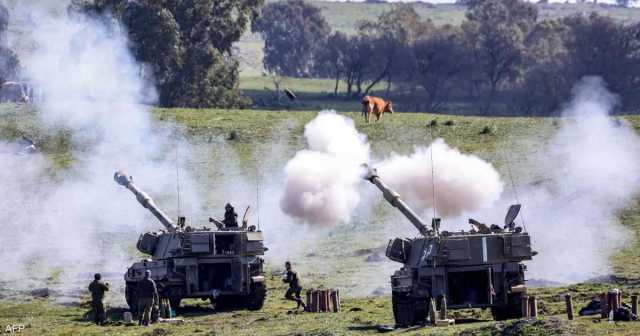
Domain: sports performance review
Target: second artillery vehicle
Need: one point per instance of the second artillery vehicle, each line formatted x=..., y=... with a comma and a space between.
x=481, y=268
x=223, y=265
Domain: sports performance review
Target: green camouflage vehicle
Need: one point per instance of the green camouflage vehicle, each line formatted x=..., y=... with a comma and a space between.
x=481, y=268
x=223, y=265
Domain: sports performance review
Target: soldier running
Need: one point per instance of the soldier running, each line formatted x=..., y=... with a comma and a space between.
x=293, y=293
x=97, y=289
x=230, y=217
x=147, y=294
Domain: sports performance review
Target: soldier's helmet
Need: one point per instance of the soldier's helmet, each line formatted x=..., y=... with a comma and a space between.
x=228, y=206
x=97, y=276
x=287, y=264
x=147, y=273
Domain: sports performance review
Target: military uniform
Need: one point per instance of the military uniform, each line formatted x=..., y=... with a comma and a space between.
x=293, y=293
x=147, y=293
x=97, y=289
x=230, y=217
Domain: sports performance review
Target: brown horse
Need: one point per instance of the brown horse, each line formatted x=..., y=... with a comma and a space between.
x=375, y=105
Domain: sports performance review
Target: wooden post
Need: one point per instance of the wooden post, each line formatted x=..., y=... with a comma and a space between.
x=335, y=300
x=315, y=300
x=443, y=307
x=618, y=299
x=614, y=300
x=327, y=300
x=309, y=305
x=604, y=306
x=533, y=307
x=323, y=301
x=432, y=311
x=525, y=306
x=567, y=300
x=634, y=304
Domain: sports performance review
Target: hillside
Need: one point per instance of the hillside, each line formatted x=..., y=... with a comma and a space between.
x=327, y=257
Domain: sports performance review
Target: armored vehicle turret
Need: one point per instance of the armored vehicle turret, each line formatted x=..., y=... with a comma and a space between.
x=480, y=268
x=223, y=265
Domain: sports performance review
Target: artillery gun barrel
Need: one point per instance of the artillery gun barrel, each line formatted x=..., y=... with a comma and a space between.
x=394, y=199
x=144, y=199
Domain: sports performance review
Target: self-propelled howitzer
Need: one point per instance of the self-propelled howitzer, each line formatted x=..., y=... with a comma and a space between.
x=480, y=268
x=223, y=265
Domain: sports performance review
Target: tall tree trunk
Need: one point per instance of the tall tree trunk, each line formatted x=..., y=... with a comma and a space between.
x=377, y=79
x=335, y=89
x=388, y=84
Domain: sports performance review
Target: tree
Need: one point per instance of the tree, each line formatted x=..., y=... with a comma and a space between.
x=332, y=58
x=9, y=62
x=187, y=43
x=495, y=31
x=598, y=45
x=440, y=60
x=546, y=80
x=358, y=62
x=293, y=31
x=392, y=35
x=625, y=3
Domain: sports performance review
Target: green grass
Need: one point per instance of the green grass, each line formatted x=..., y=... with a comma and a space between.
x=332, y=263
x=359, y=317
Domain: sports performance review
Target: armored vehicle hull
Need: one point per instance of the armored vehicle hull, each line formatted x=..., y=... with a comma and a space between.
x=224, y=265
x=482, y=268
x=469, y=270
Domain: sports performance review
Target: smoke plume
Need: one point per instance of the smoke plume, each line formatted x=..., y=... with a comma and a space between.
x=321, y=181
x=462, y=182
x=76, y=221
x=592, y=165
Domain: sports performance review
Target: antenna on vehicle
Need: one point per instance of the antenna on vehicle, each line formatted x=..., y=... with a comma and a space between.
x=258, y=179
x=515, y=190
x=177, y=144
x=435, y=221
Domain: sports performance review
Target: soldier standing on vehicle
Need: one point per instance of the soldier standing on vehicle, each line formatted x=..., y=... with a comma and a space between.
x=147, y=294
x=230, y=217
x=97, y=289
x=293, y=293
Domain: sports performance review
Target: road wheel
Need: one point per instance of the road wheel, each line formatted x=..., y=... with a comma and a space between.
x=408, y=311
x=257, y=296
x=512, y=310
x=174, y=294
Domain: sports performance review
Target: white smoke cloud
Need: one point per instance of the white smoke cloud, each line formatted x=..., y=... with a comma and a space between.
x=592, y=165
x=77, y=220
x=463, y=183
x=321, y=181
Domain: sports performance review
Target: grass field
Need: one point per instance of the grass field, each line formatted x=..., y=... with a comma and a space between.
x=330, y=264
x=334, y=258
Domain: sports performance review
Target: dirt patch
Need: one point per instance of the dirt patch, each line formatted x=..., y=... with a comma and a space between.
x=550, y=326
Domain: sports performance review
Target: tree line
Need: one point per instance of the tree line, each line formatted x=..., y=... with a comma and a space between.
x=187, y=44
x=501, y=58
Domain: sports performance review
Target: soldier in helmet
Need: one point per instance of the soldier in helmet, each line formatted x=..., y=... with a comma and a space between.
x=97, y=289
x=147, y=294
x=293, y=293
x=230, y=217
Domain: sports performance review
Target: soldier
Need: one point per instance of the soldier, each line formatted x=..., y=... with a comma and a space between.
x=230, y=217
x=147, y=295
x=293, y=293
x=97, y=289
